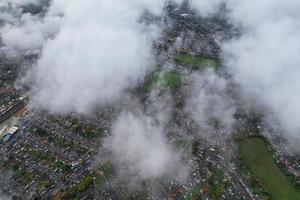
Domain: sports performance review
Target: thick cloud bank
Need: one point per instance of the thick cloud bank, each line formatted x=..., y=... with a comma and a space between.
x=92, y=51
x=265, y=58
x=101, y=50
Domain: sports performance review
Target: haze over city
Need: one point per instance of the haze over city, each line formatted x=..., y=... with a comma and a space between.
x=139, y=99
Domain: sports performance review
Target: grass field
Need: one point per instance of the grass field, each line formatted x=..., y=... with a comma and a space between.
x=197, y=62
x=255, y=155
x=170, y=79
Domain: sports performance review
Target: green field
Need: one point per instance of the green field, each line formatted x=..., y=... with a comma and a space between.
x=197, y=62
x=170, y=79
x=253, y=152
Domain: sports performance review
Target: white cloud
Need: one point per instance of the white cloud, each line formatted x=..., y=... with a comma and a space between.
x=17, y=3
x=265, y=59
x=205, y=8
x=31, y=34
x=139, y=147
x=209, y=104
x=24, y=32
x=100, y=51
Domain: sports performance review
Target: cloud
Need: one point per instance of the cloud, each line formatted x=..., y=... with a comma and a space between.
x=18, y=3
x=31, y=34
x=101, y=50
x=205, y=8
x=93, y=51
x=140, y=148
x=211, y=106
x=24, y=32
x=264, y=59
